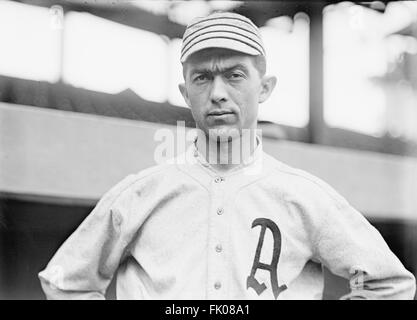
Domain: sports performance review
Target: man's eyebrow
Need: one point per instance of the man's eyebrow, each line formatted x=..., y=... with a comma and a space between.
x=199, y=71
x=237, y=66
x=220, y=70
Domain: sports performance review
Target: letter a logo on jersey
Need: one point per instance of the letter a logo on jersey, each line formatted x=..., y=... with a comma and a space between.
x=251, y=281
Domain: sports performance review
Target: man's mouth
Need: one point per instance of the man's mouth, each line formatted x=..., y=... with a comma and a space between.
x=218, y=113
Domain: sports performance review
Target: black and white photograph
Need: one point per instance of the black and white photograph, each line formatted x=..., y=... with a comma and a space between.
x=208, y=150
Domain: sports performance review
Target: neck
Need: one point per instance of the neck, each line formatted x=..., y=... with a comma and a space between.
x=224, y=155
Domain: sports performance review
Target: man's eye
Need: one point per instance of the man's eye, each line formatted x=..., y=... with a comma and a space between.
x=235, y=75
x=201, y=77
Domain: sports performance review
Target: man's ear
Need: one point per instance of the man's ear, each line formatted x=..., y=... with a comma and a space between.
x=267, y=86
x=183, y=90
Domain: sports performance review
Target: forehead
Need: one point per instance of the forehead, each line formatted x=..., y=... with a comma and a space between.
x=215, y=59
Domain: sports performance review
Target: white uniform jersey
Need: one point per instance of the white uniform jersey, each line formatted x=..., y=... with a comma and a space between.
x=262, y=231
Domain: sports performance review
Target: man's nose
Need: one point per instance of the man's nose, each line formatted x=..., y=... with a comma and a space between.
x=218, y=90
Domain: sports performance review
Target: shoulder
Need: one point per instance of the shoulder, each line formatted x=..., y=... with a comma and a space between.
x=146, y=179
x=302, y=184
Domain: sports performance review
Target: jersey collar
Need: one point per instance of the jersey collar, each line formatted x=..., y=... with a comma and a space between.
x=250, y=164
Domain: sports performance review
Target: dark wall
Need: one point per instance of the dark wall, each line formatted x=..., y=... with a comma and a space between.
x=30, y=233
x=29, y=236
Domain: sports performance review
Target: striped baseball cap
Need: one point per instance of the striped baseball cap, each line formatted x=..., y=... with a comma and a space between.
x=222, y=30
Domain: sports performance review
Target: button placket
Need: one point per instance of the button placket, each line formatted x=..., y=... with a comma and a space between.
x=218, y=233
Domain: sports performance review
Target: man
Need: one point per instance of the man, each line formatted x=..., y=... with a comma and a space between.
x=208, y=226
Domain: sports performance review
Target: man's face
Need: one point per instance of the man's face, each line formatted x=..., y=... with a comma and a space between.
x=223, y=89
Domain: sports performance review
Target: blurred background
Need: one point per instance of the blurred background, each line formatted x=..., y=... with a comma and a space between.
x=84, y=85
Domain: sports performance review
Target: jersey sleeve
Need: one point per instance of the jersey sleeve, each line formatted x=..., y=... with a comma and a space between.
x=351, y=247
x=84, y=265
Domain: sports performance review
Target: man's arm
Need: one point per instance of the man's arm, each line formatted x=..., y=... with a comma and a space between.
x=84, y=265
x=352, y=248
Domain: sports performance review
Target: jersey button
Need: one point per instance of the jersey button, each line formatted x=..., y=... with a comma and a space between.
x=220, y=211
x=219, y=248
x=218, y=179
x=217, y=285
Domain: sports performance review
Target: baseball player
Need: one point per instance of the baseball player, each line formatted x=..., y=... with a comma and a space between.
x=206, y=227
